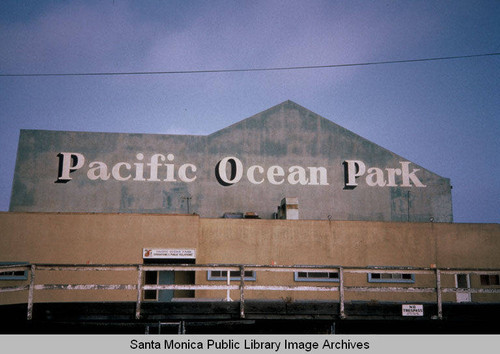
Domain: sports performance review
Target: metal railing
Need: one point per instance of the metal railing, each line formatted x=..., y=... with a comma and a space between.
x=241, y=285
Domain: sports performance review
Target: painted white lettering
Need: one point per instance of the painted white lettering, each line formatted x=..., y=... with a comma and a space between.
x=378, y=174
x=275, y=171
x=69, y=162
x=139, y=168
x=313, y=176
x=115, y=171
x=297, y=174
x=182, y=172
x=251, y=174
x=406, y=175
x=236, y=171
x=230, y=170
x=98, y=170
x=375, y=177
x=170, y=169
x=391, y=176
x=355, y=168
x=153, y=174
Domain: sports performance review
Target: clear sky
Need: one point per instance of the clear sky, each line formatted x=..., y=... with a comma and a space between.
x=442, y=115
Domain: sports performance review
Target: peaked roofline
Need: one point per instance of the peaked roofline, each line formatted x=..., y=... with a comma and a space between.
x=328, y=121
x=277, y=107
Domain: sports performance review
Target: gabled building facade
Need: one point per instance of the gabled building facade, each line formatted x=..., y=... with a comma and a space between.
x=284, y=152
x=129, y=231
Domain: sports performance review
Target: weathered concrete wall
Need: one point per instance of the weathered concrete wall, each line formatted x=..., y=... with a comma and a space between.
x=295, y=153
x=120, y=238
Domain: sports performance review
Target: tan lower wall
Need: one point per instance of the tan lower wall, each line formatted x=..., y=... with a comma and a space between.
x=120, y=238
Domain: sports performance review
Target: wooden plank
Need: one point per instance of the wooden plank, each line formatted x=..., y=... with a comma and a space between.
x=470, y=271
x=14, y=268
x=389, y=289
x=190, y=268
x=86, y=287
x=189, y=287
x=86, y=268
x=8, y=289
x=291, y=288
x=472, y=290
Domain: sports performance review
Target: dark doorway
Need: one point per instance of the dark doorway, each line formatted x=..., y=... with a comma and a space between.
x=167, y=278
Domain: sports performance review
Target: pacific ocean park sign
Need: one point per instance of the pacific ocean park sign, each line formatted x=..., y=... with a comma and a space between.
x=230, y=170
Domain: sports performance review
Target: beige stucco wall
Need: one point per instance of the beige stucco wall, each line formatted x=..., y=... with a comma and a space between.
x=120, y=238
x=88, y=239
x=349, y=243
x=91, y=238
x=352, y=244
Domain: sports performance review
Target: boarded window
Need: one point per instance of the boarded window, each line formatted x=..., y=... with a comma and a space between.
x=490, y=279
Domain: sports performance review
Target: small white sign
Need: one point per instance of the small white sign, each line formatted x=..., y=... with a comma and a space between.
x=166, y=253
x=413, y=310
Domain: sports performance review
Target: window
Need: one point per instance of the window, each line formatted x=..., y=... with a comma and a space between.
x=13, y=274
x=316, y=276
x=462, y=281
x=233, y=275
x=391, y=278
x=151, y=278
x=489, y=279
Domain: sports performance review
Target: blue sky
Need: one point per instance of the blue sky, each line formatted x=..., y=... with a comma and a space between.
x=442, y=115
